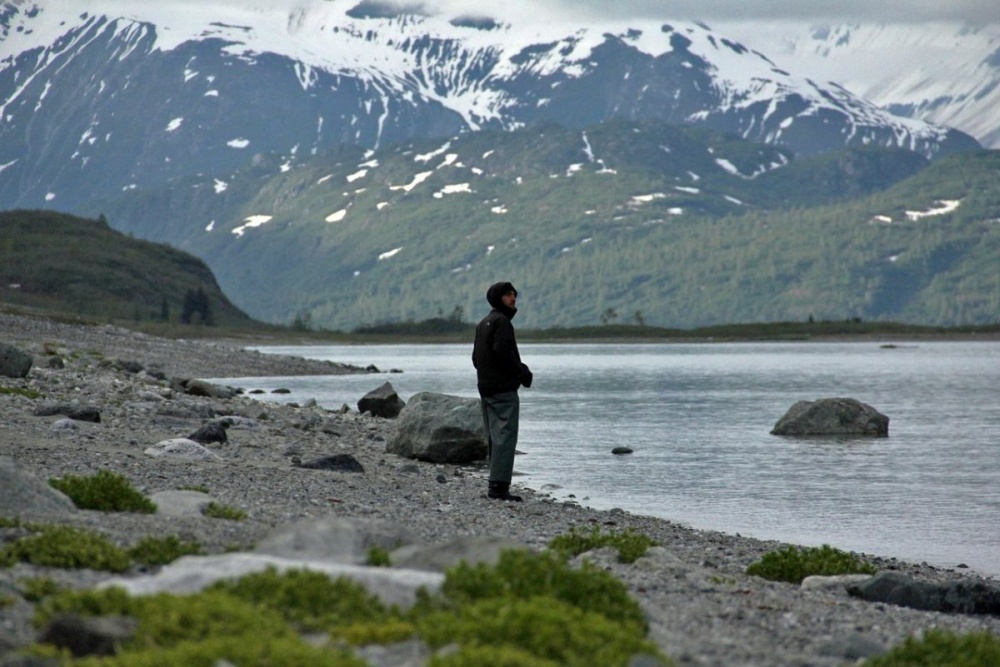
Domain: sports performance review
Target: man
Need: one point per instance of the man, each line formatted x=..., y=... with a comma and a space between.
x=499, y=374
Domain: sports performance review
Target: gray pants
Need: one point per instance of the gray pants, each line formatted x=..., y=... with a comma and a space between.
x=500, y=417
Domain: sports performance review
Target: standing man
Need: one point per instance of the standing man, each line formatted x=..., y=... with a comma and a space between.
x=499, y=374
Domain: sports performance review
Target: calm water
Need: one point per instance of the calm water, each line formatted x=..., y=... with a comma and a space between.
x=698, y=418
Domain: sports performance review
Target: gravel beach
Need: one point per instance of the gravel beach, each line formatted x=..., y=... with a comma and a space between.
x=701, y=606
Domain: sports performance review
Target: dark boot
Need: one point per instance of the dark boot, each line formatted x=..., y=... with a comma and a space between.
x=501, y=491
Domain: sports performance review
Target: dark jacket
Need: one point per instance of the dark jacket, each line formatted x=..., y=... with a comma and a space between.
x=494, y=353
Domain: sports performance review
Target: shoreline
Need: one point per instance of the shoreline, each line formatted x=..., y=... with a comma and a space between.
x=703, y=609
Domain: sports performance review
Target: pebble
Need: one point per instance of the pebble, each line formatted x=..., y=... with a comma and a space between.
x=702, y=608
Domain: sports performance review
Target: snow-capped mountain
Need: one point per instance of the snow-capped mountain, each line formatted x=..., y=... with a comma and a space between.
x=945, y=73
x=106, y=96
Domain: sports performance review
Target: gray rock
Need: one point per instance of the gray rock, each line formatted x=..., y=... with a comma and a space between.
x=953, y=597
x=333, y=539
x=209, y=433
x=65, y=425
x=381, y=402
x=440, y=556
x=89, y=635
x=21, y=491
x=207, y=389
x=14, y=363
x=181, y=449
x=178, y=502
x=441, y=429
x=337, y=462
x=832, y=416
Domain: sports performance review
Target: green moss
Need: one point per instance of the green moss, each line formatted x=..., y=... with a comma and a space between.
x=7, y=600
x=21, y=391
x=246, y=651
x=939, y=648
x=523, y=574
x=543, y=627
x=162, y=550
x=200, y=489
x=630, y=545
x=310, y=600
x=793, y=564
x=39, y=588
x=378, y=557
x=387, y=631
x=218, y=511
x=106, y=492
x=66, y=547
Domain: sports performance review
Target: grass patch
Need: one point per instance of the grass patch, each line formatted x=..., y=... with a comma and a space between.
x=21, y=391
x=630, y=545
x=162, y=550
x=378, y=557
x=218, y=511
x=939, y=648
x=66, y=547
x=105, y=491
x=37, y=589
x=530, y=610
x=793, y=564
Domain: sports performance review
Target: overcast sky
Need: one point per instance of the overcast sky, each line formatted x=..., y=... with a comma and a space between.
x=820, y=11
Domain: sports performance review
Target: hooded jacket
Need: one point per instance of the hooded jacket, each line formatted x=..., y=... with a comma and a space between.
x=494, y=353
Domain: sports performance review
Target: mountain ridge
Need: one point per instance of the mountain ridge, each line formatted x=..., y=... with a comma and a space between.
x=118, y=97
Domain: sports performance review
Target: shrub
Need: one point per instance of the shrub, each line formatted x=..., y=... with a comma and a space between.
x=106, y=492
x=543, y=627
x=218, y=511
x=311, y=600
x=37, y=589
x=630, y=545
x=162, y=550
x=522, y=574
x=246, y=651
x=939, y=648
x=375, y=632
x=378, y=557
x=21, y=391
x=66, y=547
x=793, y=564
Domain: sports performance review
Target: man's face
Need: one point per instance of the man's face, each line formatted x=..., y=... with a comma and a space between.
x=509, y=299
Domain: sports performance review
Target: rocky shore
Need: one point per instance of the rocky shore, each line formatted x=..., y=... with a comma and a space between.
x=702, y=608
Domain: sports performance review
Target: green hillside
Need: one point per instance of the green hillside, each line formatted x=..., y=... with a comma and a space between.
x=624, y=222
x=64, y=264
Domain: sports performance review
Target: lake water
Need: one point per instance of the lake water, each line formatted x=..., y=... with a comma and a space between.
x=698, y=418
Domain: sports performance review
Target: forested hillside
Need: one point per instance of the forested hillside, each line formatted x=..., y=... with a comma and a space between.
x=69, y=265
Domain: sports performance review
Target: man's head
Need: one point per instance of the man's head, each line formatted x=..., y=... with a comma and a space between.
x=502, y=294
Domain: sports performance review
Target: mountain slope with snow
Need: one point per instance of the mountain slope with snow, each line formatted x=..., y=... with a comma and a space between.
x=944, y=73
x=123, y=96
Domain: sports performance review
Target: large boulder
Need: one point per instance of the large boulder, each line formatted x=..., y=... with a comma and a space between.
x=441, y=429
x=381, y=402
x=14, y=363
x=950, y=597
x=832, y=416
x=21, y=491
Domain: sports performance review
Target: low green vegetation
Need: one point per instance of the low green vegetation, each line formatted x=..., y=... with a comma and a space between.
x=378, y=557
x=39, y=588
x=66, y=547
x=528, y=610
x=162, y=550
x=105, y=491
x=629, y=544
x=21, y=391
x=940, y=648
x=215, y=510
x=793, y=564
